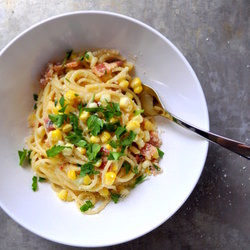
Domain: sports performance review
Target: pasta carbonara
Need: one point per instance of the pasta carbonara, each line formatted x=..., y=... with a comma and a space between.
x=90, y=138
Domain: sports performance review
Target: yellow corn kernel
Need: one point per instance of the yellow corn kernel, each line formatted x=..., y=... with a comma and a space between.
x=108, y=147
x=84, y=116
x=70, y=97
x=98, y=163
x=126, y=104
x=129, y=95
x=104, y=192
x=115, y=168
x=86, y=180
x=109, y=178
x=148, y=125
x=63, y=194
x=124, y=84
x=92, y=105
x=81, y=150
x=113, y=120
x=94, y=139
x=138, y=118
x=66, y=128
x=136, y=82
x=55, y=135
x=56, y=108
x=133, y=125
x=146, y=164
x=105, y=136
x=41, y=131
x=147, y=171
x=69, y=109
x=138, y=89
x=71, y=174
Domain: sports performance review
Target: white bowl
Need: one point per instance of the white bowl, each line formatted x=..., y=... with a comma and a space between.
x=158, y=62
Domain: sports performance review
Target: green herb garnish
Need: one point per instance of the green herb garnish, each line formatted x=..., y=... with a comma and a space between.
x=115, y=155
x=120, y=131
x=35, y=106
x=67, y=79
x=23, y=155
x=88, y=168
x=95, y=124
x=138, y=111
x=35, y=97
x=139, y=180
x=86, y=206
x=156, y=167
x=77, y=140
x=58, y=120
x=41, y=179
x=67, y=57
x=61, y=101
x=135, y=170
x=34, y=183
x=55, y=150
x=127, y=141
x=127, y=166
x=115, y=197
x=92, y=151
x=161, y=153
x=86, y=55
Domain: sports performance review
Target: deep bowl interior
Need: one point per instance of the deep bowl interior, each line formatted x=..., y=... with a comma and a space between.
x=158, y=63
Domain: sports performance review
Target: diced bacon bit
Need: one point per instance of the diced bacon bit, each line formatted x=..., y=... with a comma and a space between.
x=149, y=151
x=49, y=126
x=154, y=139
x=61, y=167
x=104, y=151
x=104, y=162
x=58, y=66
x=105, y=68
x=47, y=75
x=154, y=171
x=139, y=158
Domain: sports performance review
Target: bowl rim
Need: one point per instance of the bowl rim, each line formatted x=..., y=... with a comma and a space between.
x=190, y=69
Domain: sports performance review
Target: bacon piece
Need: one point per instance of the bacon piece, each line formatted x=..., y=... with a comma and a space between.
x=139, y=158
x=49, y=126
x=105, y=68
x=47, y=75
x=72, y=64
x=149, y=151
x=154, y=139
x=104, y=151
x=104, y=162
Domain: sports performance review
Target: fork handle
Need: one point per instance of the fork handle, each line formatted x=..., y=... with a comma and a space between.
x=232, y=145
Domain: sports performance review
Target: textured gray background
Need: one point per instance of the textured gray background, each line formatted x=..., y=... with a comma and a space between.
x=214, y=36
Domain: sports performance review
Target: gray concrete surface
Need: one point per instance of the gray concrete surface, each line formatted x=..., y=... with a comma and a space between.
x=214, y=36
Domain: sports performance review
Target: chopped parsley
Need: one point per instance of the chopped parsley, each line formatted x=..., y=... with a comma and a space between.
x=58, y=120
x=161, y=153
x=35, y=97
x=156, y=167
x=86, y=206
x=127, y=141
x=61, y=101
x=120, y=131
x=127, y=166
x=73, y=119
x=77, y=140
x=135, y=170
x=111, y=127
x=67, y=57
x=88, y=168
x=86, y=55
x=23, y=155
x=55, y=150
x=92, y=151
x=113, y=144
x=115, y=155
x=41, y=179
x=138, y=111
x=67, y=79
x=139, y=180
x=34, y=183
x=35, y=106
x=95, y=124
x=115, y=197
